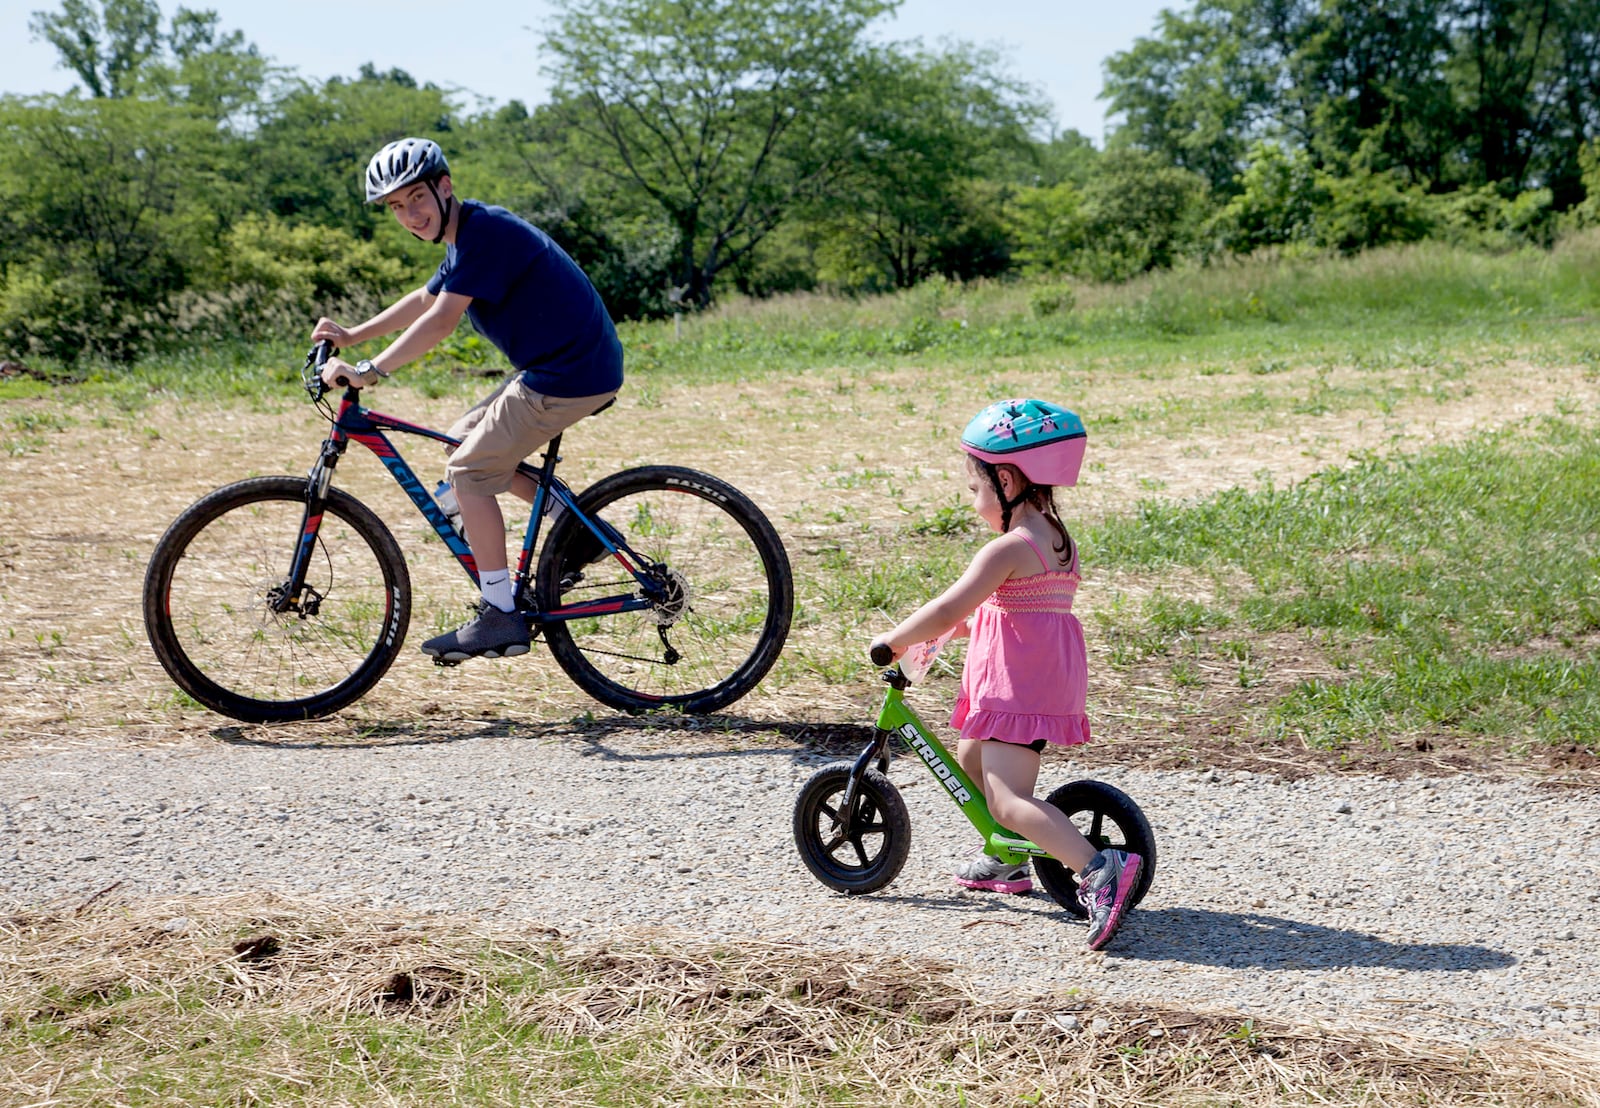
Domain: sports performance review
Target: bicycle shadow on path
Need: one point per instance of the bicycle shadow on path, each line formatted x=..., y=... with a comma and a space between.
x=714, y=736
x=1253, y=940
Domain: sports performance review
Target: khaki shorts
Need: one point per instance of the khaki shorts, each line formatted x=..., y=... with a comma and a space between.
x=505, y=427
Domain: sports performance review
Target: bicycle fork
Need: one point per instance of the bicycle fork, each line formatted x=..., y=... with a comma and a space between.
x=294, y=595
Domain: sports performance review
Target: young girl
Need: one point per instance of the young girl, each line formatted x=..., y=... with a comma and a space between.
x=1025, y=677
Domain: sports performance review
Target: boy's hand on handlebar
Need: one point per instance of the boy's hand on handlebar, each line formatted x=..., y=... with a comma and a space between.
x=337, y=373
x=328, y=329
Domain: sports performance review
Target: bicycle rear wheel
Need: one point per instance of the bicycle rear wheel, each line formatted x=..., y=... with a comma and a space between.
x=723, y=592
x=209, y=612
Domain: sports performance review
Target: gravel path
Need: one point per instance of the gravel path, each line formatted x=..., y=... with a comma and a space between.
x=1453, y=908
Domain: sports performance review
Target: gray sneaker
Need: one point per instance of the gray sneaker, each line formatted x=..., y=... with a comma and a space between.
x=490, y=634
x=992, y=875
x=1104, y=889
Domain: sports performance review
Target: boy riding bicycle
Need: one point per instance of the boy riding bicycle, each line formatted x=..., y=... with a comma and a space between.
x=533, y=302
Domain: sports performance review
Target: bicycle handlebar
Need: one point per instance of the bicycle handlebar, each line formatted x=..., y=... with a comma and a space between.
x=316, y=358
x=881, y=654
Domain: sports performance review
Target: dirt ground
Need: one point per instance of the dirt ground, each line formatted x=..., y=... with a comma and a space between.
x=838, y=459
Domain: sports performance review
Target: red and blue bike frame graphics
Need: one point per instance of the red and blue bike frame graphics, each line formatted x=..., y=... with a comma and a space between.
x=354, y=423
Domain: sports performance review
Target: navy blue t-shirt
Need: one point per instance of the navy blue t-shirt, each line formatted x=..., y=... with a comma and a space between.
x=532, y=301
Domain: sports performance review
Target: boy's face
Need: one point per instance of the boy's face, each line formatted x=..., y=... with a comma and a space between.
x=416, y=209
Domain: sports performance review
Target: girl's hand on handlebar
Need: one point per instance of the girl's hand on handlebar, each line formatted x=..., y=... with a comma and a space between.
x=337, y=373
x=328, y=329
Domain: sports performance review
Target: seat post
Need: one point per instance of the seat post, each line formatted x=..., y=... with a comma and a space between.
x=551, y=455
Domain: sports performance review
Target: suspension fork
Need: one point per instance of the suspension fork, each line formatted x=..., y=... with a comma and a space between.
x=289, y=596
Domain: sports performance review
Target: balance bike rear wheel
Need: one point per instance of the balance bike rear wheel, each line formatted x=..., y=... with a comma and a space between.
x=1108, y=817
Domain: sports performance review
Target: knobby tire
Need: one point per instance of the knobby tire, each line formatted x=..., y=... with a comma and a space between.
x=733, y=593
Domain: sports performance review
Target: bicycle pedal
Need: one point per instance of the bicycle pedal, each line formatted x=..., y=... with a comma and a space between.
x=446, y=663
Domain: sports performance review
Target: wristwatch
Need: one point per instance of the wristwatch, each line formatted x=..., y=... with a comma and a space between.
x=366, y=368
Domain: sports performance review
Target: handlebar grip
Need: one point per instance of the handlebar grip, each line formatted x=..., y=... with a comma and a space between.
x=881, y=654
x=322, y=351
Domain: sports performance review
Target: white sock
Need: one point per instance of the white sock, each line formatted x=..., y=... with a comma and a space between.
x=496, y=587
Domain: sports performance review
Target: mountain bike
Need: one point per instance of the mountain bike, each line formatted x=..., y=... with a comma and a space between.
x=854, y=832
x=285, y=598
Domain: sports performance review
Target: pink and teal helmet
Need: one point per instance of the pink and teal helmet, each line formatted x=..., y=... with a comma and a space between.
x=1043, y=440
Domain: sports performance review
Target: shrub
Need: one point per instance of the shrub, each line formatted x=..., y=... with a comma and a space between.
x=63, y=312
x=299, y=268
x=1369, y=209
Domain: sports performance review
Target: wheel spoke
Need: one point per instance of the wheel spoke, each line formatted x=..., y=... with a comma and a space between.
x=719, y=576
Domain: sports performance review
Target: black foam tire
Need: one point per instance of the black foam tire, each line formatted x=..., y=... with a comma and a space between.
x=1108, y=817
x=871, y=853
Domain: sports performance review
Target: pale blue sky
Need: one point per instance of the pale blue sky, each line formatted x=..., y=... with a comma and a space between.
x=1056, y=45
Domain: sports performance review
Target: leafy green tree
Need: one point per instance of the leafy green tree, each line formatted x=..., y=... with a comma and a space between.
x=513, y=157
x=217, y=73
x=1482, y=218
x=104, y=203
x=720, y=114
x=1048, y=228
x=1199, y=91
x=1366, y=209
x=1503, y=51
x=311, y=151
x=927, y=129
x=1445, y=93
x=309, y=265
x=1133, y=213
x=1069, y=155
x=1366, y=80
x=1276, y=203
x=1138, y=214
x=105, y=44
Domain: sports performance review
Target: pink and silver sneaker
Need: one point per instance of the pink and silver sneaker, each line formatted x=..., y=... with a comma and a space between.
x=1104, y=888
x=993, y=875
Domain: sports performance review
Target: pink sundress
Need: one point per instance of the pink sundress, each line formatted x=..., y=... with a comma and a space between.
x=1026, y=675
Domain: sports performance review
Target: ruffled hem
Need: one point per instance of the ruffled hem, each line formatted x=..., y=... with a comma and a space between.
x=1019, y=727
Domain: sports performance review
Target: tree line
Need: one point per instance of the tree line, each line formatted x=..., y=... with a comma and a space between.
x=189, y=186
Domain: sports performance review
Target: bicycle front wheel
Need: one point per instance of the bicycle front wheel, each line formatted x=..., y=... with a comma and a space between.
x=215, y=611
x=721, y=588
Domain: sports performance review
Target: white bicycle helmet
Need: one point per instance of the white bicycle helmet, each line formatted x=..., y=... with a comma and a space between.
x=401, y=163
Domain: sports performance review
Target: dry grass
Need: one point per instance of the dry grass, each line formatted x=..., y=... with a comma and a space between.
x=106, y=1002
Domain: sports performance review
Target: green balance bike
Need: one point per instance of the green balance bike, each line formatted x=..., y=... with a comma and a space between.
x=854, y=833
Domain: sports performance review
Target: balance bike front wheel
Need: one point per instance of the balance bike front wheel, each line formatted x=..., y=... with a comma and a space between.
x=1108, y=817
x=856, y=851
